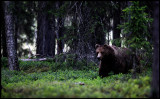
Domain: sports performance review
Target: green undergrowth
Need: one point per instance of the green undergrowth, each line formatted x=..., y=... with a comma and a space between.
x=73, y=84
x=33, y=81
x=50, y=64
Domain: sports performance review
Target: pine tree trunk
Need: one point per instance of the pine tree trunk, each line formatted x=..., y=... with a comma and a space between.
x=3, y=34
x=40, y=28
x=50, y=37
x=116, y=22
x=74, y=33
x=100, y=35
x=46, y=33
x=59, y=29
x=155, y=66
x=12, y=53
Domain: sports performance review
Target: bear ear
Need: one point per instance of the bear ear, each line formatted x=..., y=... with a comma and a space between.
x=105, y=45
x=97, y=45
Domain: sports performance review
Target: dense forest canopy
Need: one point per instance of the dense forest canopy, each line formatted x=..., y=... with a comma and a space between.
x=67, y=31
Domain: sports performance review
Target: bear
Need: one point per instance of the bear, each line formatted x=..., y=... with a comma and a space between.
x=113, y=58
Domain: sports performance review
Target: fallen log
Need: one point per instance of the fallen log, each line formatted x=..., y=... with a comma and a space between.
x=39, y=59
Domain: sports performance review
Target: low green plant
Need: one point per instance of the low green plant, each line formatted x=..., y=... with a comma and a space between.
x=33, y=66
x=50, y=79
x=4, y=61
x=73, y=84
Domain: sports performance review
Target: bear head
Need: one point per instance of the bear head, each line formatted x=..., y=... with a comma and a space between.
x=103, y=51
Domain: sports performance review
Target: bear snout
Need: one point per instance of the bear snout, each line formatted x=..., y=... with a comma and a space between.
x=99, y=56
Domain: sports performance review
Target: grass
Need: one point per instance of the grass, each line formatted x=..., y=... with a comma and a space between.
x=70, y=83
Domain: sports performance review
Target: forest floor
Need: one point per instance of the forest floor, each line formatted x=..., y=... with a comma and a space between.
x=71, y=83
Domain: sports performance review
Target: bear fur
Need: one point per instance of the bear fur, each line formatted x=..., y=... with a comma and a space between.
x=112, y=58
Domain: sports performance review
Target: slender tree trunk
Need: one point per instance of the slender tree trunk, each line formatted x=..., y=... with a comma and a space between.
x=16, y=33
x=12, y=53
x=129, y=18
x=100, y=35
x=60, y=27
x=74, y=33
x=16, y=27
x=60, y=30
x=155, y=66
x=108, y=38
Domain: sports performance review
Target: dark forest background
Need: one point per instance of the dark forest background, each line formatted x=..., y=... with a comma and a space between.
x=79, y=26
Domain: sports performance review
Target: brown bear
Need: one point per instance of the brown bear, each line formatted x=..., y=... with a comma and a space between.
x=112, y=58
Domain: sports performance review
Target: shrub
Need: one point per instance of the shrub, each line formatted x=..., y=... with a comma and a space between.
x=69, y=61
x=67, y=83
x=32, y=66
x=4, y=61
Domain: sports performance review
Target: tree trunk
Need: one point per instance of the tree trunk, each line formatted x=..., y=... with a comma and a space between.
x=100, y=35
x=50, y=37
x=3, y=34
x=12, y=53
x=16, y=32
x=155, y=66
x=45, y=34
x=41, y=28
x=116, y=22
x=74, y=34
x=59, y=30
